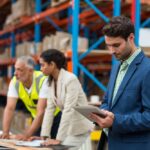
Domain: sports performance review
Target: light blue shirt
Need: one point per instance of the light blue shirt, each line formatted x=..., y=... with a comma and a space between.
x=122, y=71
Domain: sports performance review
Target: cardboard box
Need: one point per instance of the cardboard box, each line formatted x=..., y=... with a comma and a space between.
x=57, y=2
x=4, y=53
x=48, y=42
x=23, y=8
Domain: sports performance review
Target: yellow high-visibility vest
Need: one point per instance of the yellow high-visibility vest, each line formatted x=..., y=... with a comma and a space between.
x=30, y=100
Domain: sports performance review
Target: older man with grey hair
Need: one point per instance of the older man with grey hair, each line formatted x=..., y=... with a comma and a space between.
x=29, y=86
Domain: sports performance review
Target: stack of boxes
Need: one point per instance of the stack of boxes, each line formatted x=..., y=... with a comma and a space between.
x=60, y=40
x=19, y=9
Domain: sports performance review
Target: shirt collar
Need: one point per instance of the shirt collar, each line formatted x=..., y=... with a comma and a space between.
x=132, y=57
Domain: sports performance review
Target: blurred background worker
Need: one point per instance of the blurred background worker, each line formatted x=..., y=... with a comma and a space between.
x=28, y=86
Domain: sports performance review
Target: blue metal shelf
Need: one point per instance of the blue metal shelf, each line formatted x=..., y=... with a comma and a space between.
x=77, y=14
x=76, y=59
x=116, y=12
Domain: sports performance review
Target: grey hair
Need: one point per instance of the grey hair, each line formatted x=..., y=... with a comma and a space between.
x=28, y=60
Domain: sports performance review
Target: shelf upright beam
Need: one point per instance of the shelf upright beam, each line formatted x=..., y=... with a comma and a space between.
x=37, y=35
x=13, y=45
x=133, y=11
x=76, y=62
x=135, y=16
x=13, y=49
x=75, y=34
x=37, y=27
x=117, y=8
x=137, y=21
x=116, y=12
x=70, y=20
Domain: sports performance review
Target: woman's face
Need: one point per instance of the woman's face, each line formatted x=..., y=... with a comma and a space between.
x=46, y=68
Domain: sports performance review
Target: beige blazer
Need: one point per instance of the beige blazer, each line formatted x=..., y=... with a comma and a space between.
x=70, y=92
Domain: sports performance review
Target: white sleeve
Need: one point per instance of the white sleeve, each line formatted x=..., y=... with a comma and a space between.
x=12, y=90
x=43, y=93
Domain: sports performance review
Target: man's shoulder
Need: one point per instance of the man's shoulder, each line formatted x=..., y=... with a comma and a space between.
x=146, y=62
x=14, y=80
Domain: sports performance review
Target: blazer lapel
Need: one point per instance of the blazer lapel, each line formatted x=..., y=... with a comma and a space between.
x=52, y=92
x=60, y=89
x=131, y=70
x=113, y=80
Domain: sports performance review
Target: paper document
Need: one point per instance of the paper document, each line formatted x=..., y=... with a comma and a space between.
x=35, y=143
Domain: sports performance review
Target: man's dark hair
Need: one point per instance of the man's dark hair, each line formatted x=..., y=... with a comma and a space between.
x=119, y=26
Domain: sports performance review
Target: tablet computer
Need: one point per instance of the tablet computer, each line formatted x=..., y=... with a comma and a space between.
x=88, y=109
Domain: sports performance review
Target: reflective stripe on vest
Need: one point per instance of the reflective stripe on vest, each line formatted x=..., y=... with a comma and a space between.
x=30, y=100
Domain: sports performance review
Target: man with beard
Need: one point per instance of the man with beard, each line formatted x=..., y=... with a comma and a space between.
x=29, y=86
x=127, y=100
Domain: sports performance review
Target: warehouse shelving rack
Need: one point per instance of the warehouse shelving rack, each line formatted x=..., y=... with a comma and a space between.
x=73, y=17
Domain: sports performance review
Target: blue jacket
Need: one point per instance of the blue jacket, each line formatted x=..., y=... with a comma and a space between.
x=131, y=107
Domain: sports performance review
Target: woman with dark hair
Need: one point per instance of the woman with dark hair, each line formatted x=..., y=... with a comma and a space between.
x=65, y=92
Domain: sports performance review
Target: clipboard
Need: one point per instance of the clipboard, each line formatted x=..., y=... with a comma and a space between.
x=88, y=109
